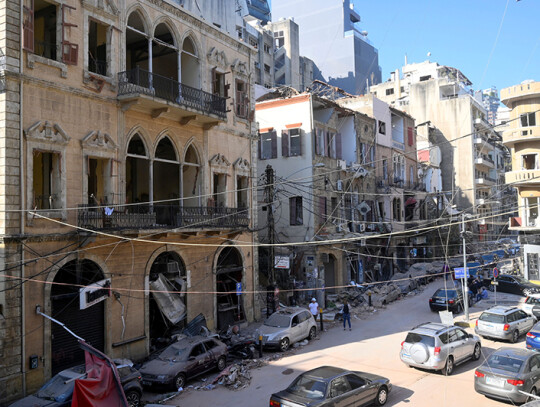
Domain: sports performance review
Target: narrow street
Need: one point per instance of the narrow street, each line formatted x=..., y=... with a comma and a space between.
x=373, y=345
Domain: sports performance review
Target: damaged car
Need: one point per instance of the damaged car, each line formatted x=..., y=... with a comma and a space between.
x=183, y=360
x=286, y=327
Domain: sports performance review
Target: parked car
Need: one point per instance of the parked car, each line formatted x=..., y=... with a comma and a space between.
x=507, y=373
x=287, y=326
x=532, y=305
x=532, y=339
x=435, y=346
x=501, y=322
x=450, y=299
x=333, y=386
x=507, y=283
x=58, y=391
x=183, y=360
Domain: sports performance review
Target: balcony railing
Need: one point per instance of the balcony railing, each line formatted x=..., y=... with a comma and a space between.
x=147, y=216
x=139, y=81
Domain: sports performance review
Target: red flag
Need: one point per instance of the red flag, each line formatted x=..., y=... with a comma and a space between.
x=102, y=386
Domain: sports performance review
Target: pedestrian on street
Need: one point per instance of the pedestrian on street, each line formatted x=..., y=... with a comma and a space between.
x=346, y=314
x=314, y=308
x=482, y=295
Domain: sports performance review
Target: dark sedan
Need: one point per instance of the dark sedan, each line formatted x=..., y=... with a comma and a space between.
x=507, y=283
x=183, y=360
x=449, y=299
x=333, y=386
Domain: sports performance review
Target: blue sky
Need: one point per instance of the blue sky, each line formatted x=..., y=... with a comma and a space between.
x=459, y=33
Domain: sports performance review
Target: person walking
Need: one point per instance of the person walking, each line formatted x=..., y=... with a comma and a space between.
x=346, y=314
x=314, y=308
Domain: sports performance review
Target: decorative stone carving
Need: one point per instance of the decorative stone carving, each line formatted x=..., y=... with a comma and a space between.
x=45, y=131
x=98, y=140
x=217, y=58
x=106, y=6
x=219, y=163
x=240, y=68
x=242, y=166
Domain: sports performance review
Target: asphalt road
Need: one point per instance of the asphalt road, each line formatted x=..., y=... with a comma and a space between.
x=373, y=346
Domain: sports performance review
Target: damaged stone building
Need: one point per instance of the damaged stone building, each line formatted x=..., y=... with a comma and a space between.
x=126, y=172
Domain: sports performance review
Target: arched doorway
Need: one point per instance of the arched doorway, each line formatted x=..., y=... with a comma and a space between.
x=88, y=323
x=166, y=182
x=137, y=173
x=229, y=273
x=167, y=310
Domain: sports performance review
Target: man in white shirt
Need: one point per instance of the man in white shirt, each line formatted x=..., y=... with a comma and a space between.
x=314, y=308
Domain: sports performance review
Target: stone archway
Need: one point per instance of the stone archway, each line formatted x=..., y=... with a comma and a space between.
x=167, y=269
x=88, y=323
x=229, y=272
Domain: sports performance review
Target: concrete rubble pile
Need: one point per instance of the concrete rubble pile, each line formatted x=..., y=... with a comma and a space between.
x=235, y=377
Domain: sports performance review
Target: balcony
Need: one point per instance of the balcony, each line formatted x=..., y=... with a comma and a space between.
x=521, y=134
x=484, y=161
x=146, y=216
x=483, y=142
x=523, y=177
x=524, y=224
x=159, y=96
x=485, y=181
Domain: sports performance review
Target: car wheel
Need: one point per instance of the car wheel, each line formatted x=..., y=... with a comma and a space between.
x=477, y=352
x=312, y=333
x=382, y=396
x=532, y=393
x=515, y=336
x=221, y=363
x=284, y=344
x=133, y=398
x=449, y=366
x=527, y=292
x=179, y=381
x=459, y=308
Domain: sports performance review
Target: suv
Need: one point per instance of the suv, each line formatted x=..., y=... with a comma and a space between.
x=435, y=346
x=506, y=323
x=532, y=305
x=287, y=326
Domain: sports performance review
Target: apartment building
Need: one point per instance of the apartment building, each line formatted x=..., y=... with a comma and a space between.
x=522, y=137
x=324, y=188
x=442, y=96
x=128, y=163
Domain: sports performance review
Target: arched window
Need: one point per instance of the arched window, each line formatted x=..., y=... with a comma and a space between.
x=136, y=43
x=190, y=64
x=166, y=177
x=137, y=171
x=164, y=56
x=191, y=178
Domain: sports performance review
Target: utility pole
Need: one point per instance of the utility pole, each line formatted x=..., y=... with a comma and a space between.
x=270, y=219
x=465, y=287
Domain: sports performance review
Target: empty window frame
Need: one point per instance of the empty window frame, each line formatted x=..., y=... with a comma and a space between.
x=242, y=100
x=322, y=210
x=97, y=48
x=242, y=186
x=46, y=180
x=219, y=86
x=296, y=211
x=385, y=168
x=99, y=181
x=43, y=41
x=219, y=195
x=528, y=119
x=382, y=127
x=291, y=142
x=529, y=161
x=268, y=145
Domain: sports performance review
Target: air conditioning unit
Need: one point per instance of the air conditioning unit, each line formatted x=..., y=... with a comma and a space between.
x=362, y=242
x=172, y=267
x=341, y=164
x=339, y=185
x=361, y=227
x=371, y=226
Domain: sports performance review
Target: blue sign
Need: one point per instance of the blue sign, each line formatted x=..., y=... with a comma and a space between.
x=495, y=272
x=460, y=272
x=238, y=288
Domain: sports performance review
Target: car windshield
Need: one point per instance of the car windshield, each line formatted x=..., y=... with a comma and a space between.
x=176, y=351
x=416, y=338
x=56, y=389
x=488, y=317
x=504, y=362
x=532, y=300
x=278, y=321
x=308, y=387
x=441, y=292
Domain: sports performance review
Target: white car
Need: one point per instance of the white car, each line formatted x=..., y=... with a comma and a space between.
x=531, y=305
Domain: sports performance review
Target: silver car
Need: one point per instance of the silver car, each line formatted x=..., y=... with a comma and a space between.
x=435, y=346
x=287, y=326
x=507, y=323
x=507, y=373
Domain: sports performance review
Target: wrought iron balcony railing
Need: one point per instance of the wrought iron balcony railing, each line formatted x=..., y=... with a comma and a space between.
x=139, y=81
x=146, y=216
